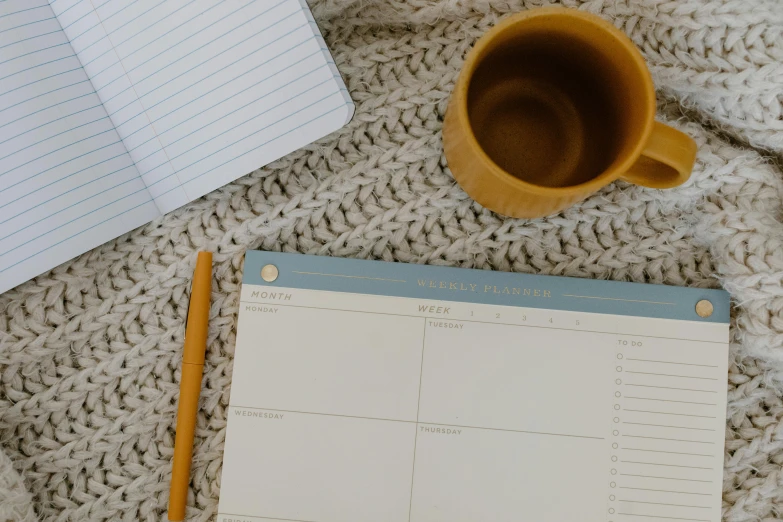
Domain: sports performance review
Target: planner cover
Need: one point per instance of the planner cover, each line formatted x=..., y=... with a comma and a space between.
x=370, y=391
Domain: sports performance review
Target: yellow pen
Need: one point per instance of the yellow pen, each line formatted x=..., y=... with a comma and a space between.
x=190, y=384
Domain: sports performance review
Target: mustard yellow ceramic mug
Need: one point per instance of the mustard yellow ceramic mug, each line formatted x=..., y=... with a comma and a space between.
x=551, y=105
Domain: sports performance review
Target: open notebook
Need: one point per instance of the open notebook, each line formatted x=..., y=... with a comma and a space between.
x=368, y=391
x=114, y=112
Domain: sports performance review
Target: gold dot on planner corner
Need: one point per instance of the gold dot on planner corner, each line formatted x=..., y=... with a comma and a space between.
x=269, y=273
x=704, y=308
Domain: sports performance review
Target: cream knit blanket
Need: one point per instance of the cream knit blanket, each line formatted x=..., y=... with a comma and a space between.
x=89, y=353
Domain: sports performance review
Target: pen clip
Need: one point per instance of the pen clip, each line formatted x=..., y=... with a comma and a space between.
x=187, y=309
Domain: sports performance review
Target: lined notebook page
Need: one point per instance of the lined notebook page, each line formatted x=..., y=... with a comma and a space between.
x=203, y=91
x=67, y=183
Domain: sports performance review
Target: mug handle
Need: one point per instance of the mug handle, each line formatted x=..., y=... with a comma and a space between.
x=666, y=161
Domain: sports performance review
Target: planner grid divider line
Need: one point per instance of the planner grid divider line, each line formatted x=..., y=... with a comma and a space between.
x=418, y=406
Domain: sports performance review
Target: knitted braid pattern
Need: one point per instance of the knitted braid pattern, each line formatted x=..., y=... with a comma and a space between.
x=90, y=352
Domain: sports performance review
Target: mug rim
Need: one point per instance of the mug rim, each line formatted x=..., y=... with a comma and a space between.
x=608, y=175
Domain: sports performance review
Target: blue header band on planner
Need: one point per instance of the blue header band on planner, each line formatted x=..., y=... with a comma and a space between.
x=485, y=287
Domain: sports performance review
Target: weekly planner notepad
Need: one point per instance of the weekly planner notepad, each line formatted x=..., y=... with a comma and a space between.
x=114, y=112
x=367, y=391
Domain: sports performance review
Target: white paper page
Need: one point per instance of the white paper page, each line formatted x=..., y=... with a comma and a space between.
x=348, y=407
x=205, y=91
x=67, y=183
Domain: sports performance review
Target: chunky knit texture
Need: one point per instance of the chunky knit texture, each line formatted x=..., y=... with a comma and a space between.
x=89, y=352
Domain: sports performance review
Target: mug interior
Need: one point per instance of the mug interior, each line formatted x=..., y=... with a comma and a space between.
x=557, y=100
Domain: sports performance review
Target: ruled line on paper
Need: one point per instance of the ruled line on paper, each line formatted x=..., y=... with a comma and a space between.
x=224, y=115
x=130, y=20
x=669, y=388
x=120, y=124
x=53, y=135
x=40, y=80
x=169, y=191
x=618, y=299
x=52, y=2
x=668, y=491
x=77, y=20
x=21, y=11
x=107, y=2
x=665, y=518
x=150, y=42
x=191, y=35
x=671, y=400
x=419, y=421
x=665, y=478
x=668, y=426
x=60, y=155
x=34, y=52
x=189, y=86
x=163, y=84
x=50, y=152
x=36, y=66
x=49, y=107
x=248, y=136
x=26, y=39
x=48, y=123
x=66, y=208
x=664, y=504
x=322, y=414
x=162, y=69
x=43, y=94
x=267, y=77
x=673, y=375
x=83, y=33
x=672, y=362
x=265, y=518
x=9, y=187
x=30, y=23
x=115, y=216
x=65, y=193
x=664, y=438
x=58, y=226
x=671, y=413
x=237, y=141
x=267, y=142
x=114, y=46
x=198, y=145
x=96, y=42
x=349, y=276
x=665, y=465
x=670, y=452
